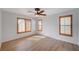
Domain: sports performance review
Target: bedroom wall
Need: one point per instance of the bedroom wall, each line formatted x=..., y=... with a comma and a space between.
x=51, y=26
x=0, y=29
x=78, y=26
x=9, y=26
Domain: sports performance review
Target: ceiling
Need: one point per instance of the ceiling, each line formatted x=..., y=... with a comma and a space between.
x=25, y=11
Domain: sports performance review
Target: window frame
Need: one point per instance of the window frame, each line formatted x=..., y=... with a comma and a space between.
x=25, y=25
x=65, y=34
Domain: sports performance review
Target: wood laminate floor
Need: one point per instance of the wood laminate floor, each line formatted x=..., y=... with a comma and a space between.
x=38, y=43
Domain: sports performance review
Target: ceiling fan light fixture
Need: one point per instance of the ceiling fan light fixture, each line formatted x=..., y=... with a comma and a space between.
x=37, y=15
x=38, y=12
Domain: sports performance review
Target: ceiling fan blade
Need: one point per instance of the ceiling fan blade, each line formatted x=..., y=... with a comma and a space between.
x=41, y=11
x=43, y=14
x=40, y=14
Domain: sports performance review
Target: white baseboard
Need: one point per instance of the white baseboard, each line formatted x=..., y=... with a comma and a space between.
x=60, y=39
x=14, y=38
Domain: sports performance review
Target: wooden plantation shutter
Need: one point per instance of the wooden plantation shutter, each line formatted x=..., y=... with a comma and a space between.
x=21, y=25
x=28, y=25
x=65, y=25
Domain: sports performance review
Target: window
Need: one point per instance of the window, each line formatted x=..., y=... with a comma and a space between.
x=28, y=25
x=39, y=25
x=23, y=25
x=65, y=25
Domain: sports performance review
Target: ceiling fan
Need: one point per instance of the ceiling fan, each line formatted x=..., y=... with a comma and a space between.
x=38, y=12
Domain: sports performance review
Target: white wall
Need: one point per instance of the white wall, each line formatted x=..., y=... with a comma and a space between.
x=0, y=29
x=78, y=26
x=51, y=27
x=9, y=26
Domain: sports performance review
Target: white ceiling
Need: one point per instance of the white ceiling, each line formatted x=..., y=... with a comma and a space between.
x=25, y=11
